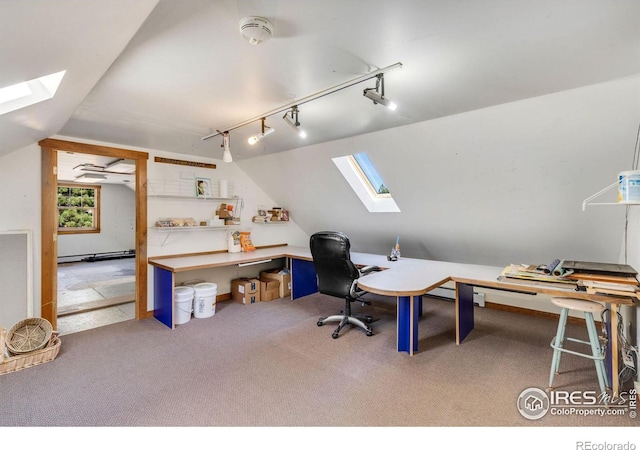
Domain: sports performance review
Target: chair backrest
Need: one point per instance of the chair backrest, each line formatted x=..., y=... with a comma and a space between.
x=332, y=262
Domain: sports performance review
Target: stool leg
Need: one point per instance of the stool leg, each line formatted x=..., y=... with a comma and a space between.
x=555, y=362
x=596, y=351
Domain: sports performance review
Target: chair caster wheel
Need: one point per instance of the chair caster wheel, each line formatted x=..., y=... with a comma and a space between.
x=369, y=333
x=319, y=323
x=334, y=335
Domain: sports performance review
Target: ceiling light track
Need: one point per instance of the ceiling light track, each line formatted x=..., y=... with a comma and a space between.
x=309, y=98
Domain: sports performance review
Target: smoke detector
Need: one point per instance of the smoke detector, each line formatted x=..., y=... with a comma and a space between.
x=256, y=29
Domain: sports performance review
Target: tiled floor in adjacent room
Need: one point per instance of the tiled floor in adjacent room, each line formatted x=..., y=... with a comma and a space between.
x=108, y=286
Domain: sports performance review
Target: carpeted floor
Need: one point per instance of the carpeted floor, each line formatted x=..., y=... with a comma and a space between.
x=269, y=365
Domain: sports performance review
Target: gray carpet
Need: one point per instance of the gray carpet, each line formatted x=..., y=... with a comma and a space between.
x=269, y=365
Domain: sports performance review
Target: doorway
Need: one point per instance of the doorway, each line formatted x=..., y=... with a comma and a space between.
x=93, y=294
x=50, y=238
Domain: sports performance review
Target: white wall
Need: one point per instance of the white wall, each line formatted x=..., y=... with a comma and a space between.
x=20, y=209
x=162, y=242
x=495, y=186
x=240, y=185
x=117, y=225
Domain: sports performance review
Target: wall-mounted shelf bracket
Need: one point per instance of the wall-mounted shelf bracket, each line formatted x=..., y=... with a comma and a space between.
x=587, y=201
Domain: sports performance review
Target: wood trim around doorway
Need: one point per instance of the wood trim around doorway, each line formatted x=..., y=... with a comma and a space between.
x=49, y=262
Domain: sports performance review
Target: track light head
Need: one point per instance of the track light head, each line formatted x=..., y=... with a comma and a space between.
x=226, y=154
x=293, y=121
x=266, y=131
x=377, y=94
x=377, y=98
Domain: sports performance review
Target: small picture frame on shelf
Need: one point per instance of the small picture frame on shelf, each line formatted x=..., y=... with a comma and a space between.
x=203, y=187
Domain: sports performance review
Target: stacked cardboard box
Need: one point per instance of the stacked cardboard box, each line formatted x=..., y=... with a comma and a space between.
x=283, y=276
x=245, y=290
x=269, y=289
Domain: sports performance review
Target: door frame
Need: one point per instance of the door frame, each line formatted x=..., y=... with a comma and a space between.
x=49, y=225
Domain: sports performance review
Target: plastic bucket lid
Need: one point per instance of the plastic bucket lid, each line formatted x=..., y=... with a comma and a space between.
x=183, y=293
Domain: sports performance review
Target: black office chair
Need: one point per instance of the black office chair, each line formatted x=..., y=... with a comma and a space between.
x=337, y=276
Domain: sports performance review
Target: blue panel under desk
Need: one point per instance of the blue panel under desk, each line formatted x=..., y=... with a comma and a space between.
x=304, y=280
x=163, y=296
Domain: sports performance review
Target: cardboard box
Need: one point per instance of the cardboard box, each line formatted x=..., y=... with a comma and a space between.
x=284, y=279
x=269, y=290
x=245, y=290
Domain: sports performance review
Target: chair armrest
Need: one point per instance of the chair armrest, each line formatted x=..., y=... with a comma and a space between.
x=368, y=269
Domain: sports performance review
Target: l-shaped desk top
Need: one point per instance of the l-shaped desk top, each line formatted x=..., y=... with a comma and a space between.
x=404, y=277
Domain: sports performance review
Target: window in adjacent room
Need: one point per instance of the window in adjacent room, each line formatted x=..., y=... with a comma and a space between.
x=78, y=208
x=366, y=182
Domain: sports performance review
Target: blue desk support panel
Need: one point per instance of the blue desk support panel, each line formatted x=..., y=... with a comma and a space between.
x=163, y=296
x=407, y=323
x=464, y=313
x=304, y=280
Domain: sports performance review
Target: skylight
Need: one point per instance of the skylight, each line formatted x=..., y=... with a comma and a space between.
x=14, y=92
x=364, y=179
x=370, y=174
x=26, y=93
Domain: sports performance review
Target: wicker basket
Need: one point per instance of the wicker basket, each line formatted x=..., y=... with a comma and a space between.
x=28, y=335
x=18, y=362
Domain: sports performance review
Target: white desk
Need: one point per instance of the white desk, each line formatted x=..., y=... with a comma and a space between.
x=409, y=279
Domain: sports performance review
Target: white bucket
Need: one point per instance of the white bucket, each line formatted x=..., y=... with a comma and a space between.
x=204, y=301
x=629, y=186
x=183, y=304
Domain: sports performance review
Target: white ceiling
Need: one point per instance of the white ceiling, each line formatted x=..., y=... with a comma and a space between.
x=167, y=80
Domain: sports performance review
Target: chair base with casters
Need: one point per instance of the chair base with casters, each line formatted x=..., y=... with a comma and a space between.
x=347, y=318
x=597, y=350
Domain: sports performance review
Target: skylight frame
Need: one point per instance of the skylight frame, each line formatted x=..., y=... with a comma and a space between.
x=369, y=175
x=362, y=187
x=27, y=93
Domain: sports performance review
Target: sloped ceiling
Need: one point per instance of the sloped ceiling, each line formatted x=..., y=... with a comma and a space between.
x=186, y=71
x=41, y=37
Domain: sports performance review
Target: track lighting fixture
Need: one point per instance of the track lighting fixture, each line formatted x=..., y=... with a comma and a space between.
x=226, y=154
x=293, y=121
x=377, y=94
x=291, y=116
x=265, y=132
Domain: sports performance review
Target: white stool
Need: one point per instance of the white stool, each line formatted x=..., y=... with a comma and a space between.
x=597, y=351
